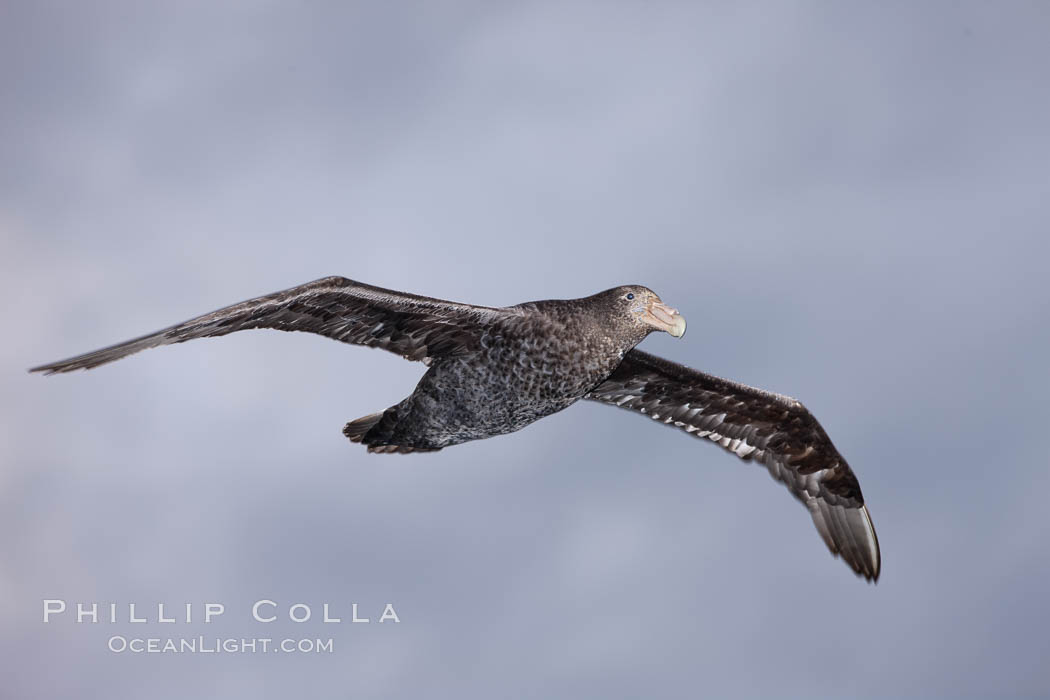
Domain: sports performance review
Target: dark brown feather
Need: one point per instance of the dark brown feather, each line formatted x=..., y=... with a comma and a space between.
x=775, y=430
x=413, y=326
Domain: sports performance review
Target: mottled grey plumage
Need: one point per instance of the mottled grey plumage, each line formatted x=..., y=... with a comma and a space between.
x=495, y=370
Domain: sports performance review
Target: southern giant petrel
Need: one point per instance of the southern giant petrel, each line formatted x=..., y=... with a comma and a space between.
x=495, y=370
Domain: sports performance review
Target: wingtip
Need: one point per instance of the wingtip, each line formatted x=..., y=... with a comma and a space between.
x=874, y=551
x=43, y=369
x=850, y=534
x=866, y=558
x=63, y=367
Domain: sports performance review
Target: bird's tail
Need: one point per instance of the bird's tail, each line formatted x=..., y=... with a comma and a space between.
x=357, y=429
x=377, y=432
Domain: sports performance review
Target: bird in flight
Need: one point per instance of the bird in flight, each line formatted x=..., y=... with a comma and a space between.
x=493, y=371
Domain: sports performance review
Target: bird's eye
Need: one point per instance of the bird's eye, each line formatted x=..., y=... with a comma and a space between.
x=630, y=296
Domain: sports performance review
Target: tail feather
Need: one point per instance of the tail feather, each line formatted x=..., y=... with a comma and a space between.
x=356, y=429
x=377, y=430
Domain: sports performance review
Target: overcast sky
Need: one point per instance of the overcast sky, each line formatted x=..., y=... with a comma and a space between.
x=848, y=201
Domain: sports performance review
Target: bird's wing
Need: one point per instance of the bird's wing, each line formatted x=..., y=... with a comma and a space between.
x=413, y=326
x=753, y=424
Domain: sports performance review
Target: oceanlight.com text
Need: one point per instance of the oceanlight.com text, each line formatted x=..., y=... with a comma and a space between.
x=119, y=644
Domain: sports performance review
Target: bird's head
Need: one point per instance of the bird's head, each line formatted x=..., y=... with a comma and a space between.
x=644, y=311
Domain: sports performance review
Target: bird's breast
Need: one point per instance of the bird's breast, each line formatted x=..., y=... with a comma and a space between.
x=554, y=365
x=509, y=381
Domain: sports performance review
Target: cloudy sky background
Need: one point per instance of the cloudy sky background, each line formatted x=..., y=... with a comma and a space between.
x=848, y=202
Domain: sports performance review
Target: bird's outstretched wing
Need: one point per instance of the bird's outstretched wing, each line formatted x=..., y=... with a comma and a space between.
x=753, y=424
x=413, y=326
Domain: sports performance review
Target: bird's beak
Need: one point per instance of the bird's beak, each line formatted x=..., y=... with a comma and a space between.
x=664, y=318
